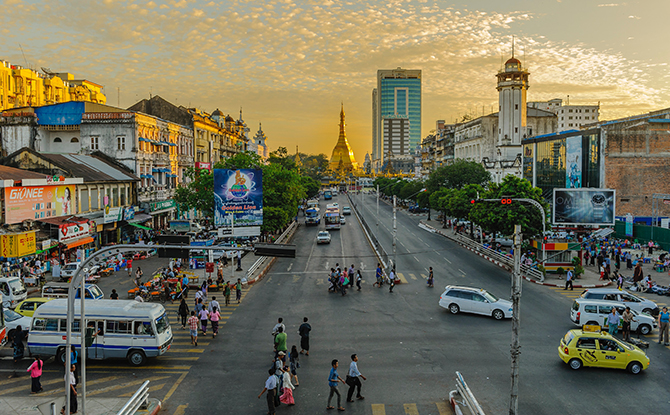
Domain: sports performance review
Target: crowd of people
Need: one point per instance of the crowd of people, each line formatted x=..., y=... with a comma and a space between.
x=339, y=279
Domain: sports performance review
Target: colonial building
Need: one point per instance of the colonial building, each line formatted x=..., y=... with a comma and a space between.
x=259, y=143
x=570, y=117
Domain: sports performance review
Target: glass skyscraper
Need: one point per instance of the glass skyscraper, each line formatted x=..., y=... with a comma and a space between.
x=398, y=95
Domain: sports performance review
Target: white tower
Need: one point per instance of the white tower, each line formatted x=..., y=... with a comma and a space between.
x=512, y=87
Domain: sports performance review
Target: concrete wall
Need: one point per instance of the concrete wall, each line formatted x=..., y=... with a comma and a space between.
x=108, y=143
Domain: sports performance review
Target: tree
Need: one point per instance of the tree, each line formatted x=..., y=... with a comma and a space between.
x=411, y=190
x=439, y=201
x=496, y=217
x=274, y=218
x=198, y=193
x=457, y=175
x=311, y=186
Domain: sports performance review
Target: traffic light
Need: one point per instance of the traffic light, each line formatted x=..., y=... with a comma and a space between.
x=473, y=201
x=506, y=201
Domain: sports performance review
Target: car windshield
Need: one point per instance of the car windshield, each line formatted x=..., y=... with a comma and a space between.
x=17, y=286
x=568, y=338
x=70, y=267
x=626, y=345
x=95, y=291
x=11, y=315
x=492, y=298
x=162, y=323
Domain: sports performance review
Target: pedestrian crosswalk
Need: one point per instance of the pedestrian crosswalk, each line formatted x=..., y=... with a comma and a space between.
x=435, y=408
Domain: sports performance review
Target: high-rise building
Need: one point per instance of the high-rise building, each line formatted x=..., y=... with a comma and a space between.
x=398, y=95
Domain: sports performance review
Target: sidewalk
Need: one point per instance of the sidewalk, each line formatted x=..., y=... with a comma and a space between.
x=94, y=406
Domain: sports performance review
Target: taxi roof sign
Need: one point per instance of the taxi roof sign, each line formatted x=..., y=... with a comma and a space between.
x=592, y=328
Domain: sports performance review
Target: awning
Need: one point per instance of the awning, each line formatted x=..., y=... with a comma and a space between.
x=601, y=233
x=79, y=242
x=139, y=218
x=146, y=228
x=158, y=212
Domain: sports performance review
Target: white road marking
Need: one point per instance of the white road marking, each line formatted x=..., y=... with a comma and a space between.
x=309, y=257
x=289, y=267
x=462, y=272
x=417, y=259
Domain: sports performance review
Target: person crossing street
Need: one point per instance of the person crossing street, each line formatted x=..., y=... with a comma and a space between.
x=353, y=379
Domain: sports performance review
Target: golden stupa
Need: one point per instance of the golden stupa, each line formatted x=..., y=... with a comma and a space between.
x=342, y=157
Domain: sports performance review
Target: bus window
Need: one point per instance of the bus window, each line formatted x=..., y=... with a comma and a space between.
x=63, y=325
x=51, y=324
x=143, y=328
x=121, y=327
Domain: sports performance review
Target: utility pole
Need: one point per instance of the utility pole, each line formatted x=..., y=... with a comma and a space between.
x=516, y=347
x=394, y=233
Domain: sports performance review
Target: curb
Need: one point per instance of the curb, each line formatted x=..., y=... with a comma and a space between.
x=157, y=409
x=551, y=284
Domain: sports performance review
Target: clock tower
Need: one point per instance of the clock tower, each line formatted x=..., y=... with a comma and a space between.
x=512, y=88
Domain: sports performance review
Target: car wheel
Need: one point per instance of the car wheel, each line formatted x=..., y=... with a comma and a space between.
x=648, y=311
x=575, y=364
x=454, y=309
x=644, y=329
x=60, y=355
x=635, y=368
x=137, y=358
x=498, y=314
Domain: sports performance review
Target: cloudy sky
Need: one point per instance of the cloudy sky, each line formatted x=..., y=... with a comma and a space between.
x=289, y=64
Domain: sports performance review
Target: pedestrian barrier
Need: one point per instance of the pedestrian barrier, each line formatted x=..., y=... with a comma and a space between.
x=284, y=236
x=372, y=238
x=139, y=400
x=462, y=399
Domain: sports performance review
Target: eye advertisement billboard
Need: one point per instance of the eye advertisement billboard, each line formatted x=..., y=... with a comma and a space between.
x=573, y=167
x=38, y=202
x=238, y=195
x=585, y=206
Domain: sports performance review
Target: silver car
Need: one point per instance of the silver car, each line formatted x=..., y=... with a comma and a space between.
x=459, y=299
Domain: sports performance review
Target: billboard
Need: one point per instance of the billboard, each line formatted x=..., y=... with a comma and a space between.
x=573, y=162
x=584, y=206
x=240, y=193
x=38, y=202
x=18, y=245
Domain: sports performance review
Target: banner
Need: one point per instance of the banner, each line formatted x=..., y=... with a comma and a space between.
x=70, y=231
x=238, y=194
x=573, y=162
x=584, y=207
x=18, y=245
x=38, y=202
x=112, y=214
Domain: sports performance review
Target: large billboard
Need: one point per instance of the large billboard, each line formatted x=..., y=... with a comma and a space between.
x=240, y=193
x=584, y=206
x=573, y=164
x=38, y=202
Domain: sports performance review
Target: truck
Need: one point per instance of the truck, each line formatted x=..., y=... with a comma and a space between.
x=312, y=216
x=182, y=226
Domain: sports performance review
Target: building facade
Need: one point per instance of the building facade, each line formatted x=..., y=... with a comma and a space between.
x=570, y=117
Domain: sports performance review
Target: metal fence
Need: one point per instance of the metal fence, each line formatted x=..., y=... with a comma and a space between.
x=381, y=252
x=463, y=399
x=138, y=400
x=285, y=235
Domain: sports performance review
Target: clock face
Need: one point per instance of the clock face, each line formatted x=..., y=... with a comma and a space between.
x=598, y=199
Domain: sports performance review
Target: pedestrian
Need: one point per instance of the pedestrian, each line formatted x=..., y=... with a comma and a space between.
x=279, y=362
x=239, y=260
x=204, y=315
x=627, y=318
x=379, y=276
x=613, y=319
x=359, y=279
x=270, y=388
x=333, y=378
x=212, y=304
x=351, y=276
x=74, y=359
x=294, y=363
x=280, y=323
x=430, y=277
x=280, y=341
x=35, y=370
x=114, y=295
x=287, y=388
x=214, y=317
x=69, y=377
x=193, y=328
x=602, y=272
x=19, y=348
x=226, y=293
x=568, y=280
x=129, y=268
x=303, y=331
x=619, y=280
x=184, y=286
x=391, y=280
x=183, y=312
x=138, y=275
x=166, y=292
x=353, y=379
x=663, y=323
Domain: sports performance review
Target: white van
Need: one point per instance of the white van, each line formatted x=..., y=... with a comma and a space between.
x=13, y=291
x=68, y=270
x=639, y=304
x=122, y=329
x=594, y=313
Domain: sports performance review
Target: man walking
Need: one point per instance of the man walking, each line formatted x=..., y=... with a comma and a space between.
x=613, y=319
x=333, y=378
x=392, y=280
x=280, y=341
x=213, y=304
x=193, y=328
x=353, y=379
x=238, y=291
x=304, y=330
x=568, y=280
x=627, y=317
x=430, y=277
x=270, y=388
x=379, y=276
x=663, y=323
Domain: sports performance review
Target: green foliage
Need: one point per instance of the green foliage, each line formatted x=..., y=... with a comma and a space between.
x=274, y=218
x=496, y=217
x=439, y=200
x=282, y=158
x=423, y=199
x=282, y=188
x=457, y=175
x=244, y=160
x=314, y=166
x=459, y=205
x=311, y=186
x=198, y=194
x=411, y=190
x=560, y=271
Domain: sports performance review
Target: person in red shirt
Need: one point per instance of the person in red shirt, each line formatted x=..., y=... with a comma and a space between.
x=193, y=327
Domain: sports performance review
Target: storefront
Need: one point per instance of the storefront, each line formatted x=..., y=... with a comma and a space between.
x=75, y=236
x=162, y=212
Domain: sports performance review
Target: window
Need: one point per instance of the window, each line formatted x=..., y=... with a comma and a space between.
x=143, y=328
x=94, y=199
x=123, y=196
x=115, y=197
x=605, y=309
x=516, y=106
x=569, y=118
x=57, y=140
x=74, y=140
x=84, y=200
x=94, y=142
x=569, y=110
x=45, y=324
x=121, y=143
x=586, y=343
x=63, y=325
x=516, y=129
x=122, y=327
x=609, y=345
x=590, y=309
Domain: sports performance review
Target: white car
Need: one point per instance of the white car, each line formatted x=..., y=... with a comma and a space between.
x=595, y=312
x=13, y=320
x=323, y=237
x=459, y=299
x=346, y=210
x=639, y=304
x=342, y=220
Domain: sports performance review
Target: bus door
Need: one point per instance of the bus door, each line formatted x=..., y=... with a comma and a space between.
x=98, y=344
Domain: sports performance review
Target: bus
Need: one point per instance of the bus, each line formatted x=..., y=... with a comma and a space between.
x=312, y=216
x=327, y=195
x=332, y=217
x=3, y=329
x=124, y=329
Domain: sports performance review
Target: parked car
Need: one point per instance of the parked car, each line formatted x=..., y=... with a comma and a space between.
x=594, y=313
x=459, y=299
x=13, y=320
x=28, y=306
x=323, y=237
x=639, y=304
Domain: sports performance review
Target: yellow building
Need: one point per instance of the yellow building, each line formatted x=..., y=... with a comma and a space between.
x=23, y=87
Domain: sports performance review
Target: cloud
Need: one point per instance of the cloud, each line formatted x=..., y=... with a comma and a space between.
x=609, y=5
x=634, y=17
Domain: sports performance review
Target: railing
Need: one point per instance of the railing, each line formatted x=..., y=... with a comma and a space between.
x=381, y=252
x=256, y=265
x=138, y=400
x=467, y=398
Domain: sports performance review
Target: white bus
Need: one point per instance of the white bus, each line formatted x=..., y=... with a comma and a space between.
x=332, y=217
x=122, y=329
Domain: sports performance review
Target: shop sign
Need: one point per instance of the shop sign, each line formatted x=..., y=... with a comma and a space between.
x=46, y=244
x=112, y=214
x=129, y=213
x=38, y=202
x=18, y=244
x=203, y=166
x=163, y=205
x=70, y=231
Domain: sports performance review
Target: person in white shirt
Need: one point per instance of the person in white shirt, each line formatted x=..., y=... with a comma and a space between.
x=353, y=379
x=139, y=298
x=280, y=323
x=271, y=389
x=212, y=304
x=392, y=281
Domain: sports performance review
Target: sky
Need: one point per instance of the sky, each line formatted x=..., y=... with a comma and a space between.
x=289, y=64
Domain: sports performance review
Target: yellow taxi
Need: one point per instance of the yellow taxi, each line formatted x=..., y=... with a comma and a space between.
x=28, y=306
x=590, y=346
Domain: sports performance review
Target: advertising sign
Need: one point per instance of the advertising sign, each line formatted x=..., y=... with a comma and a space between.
x=18, y=244
x=584, y=207
x=629, y=225
x=238, y=195
x=200, y=165
x=162, y=205
x=112, y=214
x=70, y=231
x=573, y=163
x=38, y=202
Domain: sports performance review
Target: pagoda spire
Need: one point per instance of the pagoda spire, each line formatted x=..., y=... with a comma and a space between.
x=342, y=155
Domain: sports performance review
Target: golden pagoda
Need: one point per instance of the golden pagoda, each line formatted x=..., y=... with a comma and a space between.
x=342, y=157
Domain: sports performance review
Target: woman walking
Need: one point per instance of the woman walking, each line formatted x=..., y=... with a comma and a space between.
x=204, y=315
x=287, y=388
x=294, y=358
x=183, y=312
x=214, y=317
x=35, y=374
